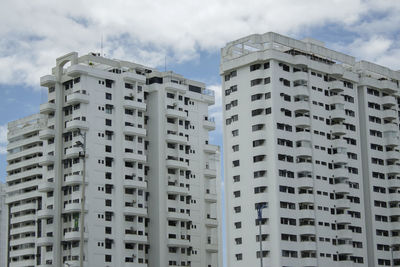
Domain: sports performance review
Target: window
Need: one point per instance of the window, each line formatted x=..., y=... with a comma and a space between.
x=236, y=163
x=235, y=132
x=257, y=112
x=258, y=158
x=108, y=122
x=108, y=148
x=256, y=82
x=239, y=256
x=257, y=127
x=238, y=225
x=236, y=193
x=255, y=67
x=107, y=258
x=108, y=96
x=259, y=142
x=235, y=148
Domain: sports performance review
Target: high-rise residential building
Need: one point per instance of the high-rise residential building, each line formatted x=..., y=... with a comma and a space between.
x=123, y=150
x=311, y=135
x=3, y=225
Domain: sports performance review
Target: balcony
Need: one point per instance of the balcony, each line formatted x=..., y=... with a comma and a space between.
x=128, y=183
x=305, y=198
x=340, y=158
x=300, y=91
x=389, y=101
x=184, y=243
x=46, y=134
x=342, y=188
x=135, y=211
x=72, y=152
x=300, y=75
x=212, y=247
x=343, y=219
x=46, y=160
x=76, y=124
x=306, y=229
x=389, y=86
x=338, y=129
x=304, y=166
x=44, y=241
x=390, y=127
x=209, y=124
x=389, y=114
x=77, y=98
x=210, y=173
x=132, y=104
x=211, y=149
x=77, y=70
x=338, y=114
x=46, y=186
x=72, y=236
x=337, y=99
x=174, y=163
x=301, y=106
x=174, y=113
x=72, y=207
x=23, y=229
x=180, y=190
x=392, y=140
x=344, y=234
x=394, y=183
x=176, y=87
x=346, y=248
x=306, y=214
x=132, y=130
x=343, y=203
x=393, y=155
x=45, y=213
x=395, y=211
x=23, y=252
x=336, y=86
x=175, y=138
x=73, y=180
x=302, y=122
x=339, y=143
x=393, y=169
x=341, y=172
x=47, y=108
x=210, y=197
x=133, y=77
x=337, y=70
x=211, y=222
x=304, y=151
x=48, y=80
x=303, y=136
x=178, y=216
x=140, y=239
x=133, y=157
x=306, y=182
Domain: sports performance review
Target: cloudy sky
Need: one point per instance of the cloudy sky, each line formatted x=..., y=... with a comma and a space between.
x=188, y=33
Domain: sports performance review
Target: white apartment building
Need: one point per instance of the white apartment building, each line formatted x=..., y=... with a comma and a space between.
x=3, y=225
x=125, y=146
x=313, y=136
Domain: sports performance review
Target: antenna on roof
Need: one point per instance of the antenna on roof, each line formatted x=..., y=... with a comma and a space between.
x=101, y=51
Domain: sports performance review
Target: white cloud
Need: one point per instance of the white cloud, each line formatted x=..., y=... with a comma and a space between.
x=3, y=139
x=34, y=33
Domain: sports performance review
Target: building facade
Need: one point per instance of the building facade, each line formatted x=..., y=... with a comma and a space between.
x=3, y=225
x=311, y=135
x=123, y=150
